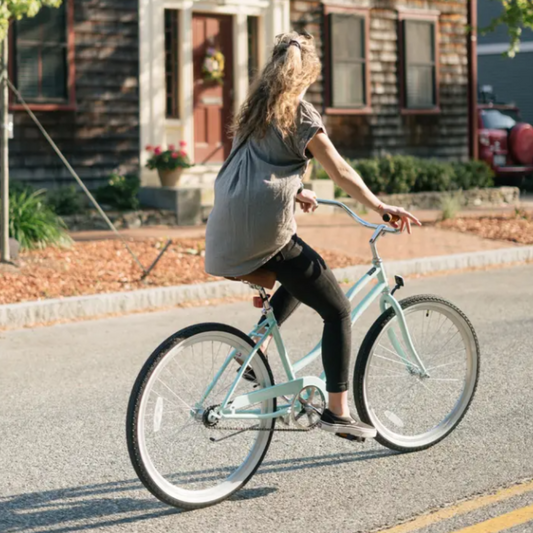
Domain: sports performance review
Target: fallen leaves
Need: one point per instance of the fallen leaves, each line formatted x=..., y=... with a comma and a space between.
x=516, y=227
x=106, y=266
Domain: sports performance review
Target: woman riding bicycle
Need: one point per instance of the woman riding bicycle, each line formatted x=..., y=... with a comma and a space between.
x=252, y=224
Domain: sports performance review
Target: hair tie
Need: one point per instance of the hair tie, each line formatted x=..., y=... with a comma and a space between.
x=296, y=43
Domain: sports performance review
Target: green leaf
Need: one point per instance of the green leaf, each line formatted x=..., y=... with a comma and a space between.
x=16, y=9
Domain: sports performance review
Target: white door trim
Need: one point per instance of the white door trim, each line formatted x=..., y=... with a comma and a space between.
x=155, y=128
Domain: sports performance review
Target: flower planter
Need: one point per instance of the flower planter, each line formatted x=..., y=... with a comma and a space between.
x=170, y=178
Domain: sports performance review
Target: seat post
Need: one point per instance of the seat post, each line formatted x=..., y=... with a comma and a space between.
x=264, y=297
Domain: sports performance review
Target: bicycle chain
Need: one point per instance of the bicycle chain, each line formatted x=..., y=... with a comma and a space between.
x=260, y=429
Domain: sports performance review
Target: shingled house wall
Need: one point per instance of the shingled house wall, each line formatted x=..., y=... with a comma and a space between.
x=385, y=130
x=101, y=133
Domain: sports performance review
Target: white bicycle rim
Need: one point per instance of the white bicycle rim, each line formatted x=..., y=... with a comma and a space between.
x=236, y=478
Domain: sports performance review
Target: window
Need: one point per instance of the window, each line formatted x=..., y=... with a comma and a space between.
x=347, y=72
x=42, y=57
x=420, y=65
x=172, y=62
x=253, y=48
x=499, y=119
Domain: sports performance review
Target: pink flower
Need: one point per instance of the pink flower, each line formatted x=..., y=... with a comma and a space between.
x=174, y=155
x=183, y=153
x=149, y=147
x=171, y=147
x=183, y=144
x=157, y=150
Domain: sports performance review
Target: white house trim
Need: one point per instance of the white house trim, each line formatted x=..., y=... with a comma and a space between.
x=274, y=18
x=500, y=48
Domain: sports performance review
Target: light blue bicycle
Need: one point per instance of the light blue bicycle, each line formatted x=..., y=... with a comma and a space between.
x=197, y=430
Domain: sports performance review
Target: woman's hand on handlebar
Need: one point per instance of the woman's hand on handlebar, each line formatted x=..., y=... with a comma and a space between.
x=398, y=217
x=307, y=201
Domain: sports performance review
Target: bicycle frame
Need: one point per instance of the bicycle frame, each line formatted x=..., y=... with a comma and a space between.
x=233, y=409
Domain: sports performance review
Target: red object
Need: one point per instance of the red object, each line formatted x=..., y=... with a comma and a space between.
x=174, y=155
x=505, y=143
x=521, y=143
x=258, y=302
x=157, y=150
x=149, y=147
x=183, y=144
x=171, y=147
x=213, y=103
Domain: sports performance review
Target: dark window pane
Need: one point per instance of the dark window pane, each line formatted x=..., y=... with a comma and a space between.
x=49, y=25
x=347, y=37
x=41, y=56
x=171, y=62
x=28, y=71
x=54, y=25
x=348, y=60
x=348, y=84
x=54, y=73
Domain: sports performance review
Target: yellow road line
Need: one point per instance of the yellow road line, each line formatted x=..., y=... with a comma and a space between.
x=500, y=523
x=461, y=508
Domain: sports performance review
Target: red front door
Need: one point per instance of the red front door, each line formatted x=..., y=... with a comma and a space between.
x=213, y=103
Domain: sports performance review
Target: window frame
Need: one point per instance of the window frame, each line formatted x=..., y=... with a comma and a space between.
x=329, y=109
x=70, y=102
x=431, y=16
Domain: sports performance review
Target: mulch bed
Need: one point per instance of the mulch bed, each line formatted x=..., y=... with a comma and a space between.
x=106, y=266
x=515, y=227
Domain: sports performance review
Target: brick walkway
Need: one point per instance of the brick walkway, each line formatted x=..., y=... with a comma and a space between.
x=337, y=232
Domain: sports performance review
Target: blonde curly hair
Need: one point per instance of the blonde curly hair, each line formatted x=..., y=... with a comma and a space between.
x=273, y=98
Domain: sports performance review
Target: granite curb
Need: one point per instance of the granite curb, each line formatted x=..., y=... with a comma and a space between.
x=83, y=307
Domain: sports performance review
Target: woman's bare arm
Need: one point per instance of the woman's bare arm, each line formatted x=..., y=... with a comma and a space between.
x=348, y=180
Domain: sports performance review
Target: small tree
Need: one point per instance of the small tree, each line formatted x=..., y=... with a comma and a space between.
x=17, y=9
x=516, y=15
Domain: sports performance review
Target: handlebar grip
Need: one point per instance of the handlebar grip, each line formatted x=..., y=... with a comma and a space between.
x=390, y=218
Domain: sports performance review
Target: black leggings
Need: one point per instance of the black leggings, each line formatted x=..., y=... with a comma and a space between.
x=305, y=277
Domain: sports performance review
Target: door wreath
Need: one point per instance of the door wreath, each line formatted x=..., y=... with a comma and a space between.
x=213, y=67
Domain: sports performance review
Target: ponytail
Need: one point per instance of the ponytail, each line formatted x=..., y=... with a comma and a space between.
x=273, y=98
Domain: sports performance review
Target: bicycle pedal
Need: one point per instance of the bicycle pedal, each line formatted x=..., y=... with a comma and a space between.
x=352, y=438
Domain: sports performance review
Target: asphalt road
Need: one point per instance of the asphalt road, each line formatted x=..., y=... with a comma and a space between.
x=64, y=464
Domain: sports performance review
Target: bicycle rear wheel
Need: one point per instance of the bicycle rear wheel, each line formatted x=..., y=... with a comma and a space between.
x=181, y=457
x=411, y=412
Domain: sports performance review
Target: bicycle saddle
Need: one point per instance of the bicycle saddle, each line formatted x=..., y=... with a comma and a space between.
x=261, y=277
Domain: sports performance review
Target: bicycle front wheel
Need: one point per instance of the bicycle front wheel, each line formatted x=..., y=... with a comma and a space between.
x=411, y=411
x=182, y=456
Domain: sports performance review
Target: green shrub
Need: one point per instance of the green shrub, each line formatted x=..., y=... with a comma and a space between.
x=65, y=200
x=434, y=175
x=32, y=223
x=402, y=174
x=472, y=175
x=369, y=170
x=389, y=174
x=120, y=192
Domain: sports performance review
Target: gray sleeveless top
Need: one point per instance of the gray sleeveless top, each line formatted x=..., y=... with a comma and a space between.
x=253, y=215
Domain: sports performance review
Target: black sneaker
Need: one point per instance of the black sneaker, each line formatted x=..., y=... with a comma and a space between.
x=344, y=425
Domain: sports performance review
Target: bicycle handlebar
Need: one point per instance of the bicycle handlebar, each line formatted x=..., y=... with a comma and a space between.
x=357, y=218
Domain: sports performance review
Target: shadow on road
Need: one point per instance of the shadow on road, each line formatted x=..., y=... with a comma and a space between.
x=110, y=504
